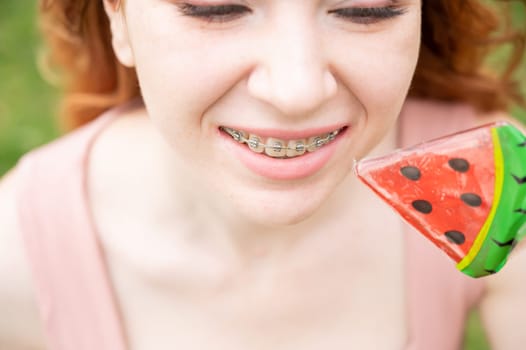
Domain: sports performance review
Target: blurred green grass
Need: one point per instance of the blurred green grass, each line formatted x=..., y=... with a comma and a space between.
x=28, y=104
x=26, y=101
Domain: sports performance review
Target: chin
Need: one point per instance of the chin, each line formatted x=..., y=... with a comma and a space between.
x=253, y=200
x=284, y=207
x=279, y=216
x=274, y=218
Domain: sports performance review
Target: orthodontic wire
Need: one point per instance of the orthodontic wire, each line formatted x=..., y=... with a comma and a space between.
x=236, y=135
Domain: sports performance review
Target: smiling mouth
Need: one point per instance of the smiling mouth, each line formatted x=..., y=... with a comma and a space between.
x=278, y=148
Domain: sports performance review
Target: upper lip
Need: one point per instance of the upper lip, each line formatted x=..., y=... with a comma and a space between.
x=288, y=134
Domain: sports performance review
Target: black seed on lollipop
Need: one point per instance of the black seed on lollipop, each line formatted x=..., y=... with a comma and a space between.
x=422, y=206
x=459, y=164
x=455, y=237
x=471, y=199
x=411, y=172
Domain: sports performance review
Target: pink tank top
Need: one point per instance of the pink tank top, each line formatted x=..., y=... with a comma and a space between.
x=74, y=291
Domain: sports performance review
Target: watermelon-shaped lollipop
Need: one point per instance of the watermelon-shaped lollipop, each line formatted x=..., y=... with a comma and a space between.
x=465, y=192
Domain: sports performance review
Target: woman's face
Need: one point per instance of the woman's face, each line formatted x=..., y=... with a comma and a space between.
x=286, y=77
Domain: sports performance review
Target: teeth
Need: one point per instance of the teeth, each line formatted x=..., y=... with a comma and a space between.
x=314, y=143
x=296, y=148
x=239, y=136
x=277, y=148
x=255, y=144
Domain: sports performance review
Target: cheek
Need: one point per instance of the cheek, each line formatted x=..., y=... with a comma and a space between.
x=180, y=71
x=379, y=68
x=378, y=72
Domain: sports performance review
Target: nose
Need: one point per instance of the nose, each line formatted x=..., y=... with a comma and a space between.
x=292, y=74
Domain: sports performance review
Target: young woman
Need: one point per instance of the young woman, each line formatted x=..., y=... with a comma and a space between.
x=206, y=198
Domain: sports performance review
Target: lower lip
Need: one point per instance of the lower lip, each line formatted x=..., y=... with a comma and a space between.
x=283, y=169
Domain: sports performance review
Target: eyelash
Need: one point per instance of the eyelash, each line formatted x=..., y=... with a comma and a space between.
x=219, y=13
x=230, y=12
x=368, y=15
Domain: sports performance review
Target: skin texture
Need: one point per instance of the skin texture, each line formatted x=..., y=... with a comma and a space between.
x=196, y=242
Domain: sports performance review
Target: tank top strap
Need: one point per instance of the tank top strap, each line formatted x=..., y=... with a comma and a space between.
x=435, y=287
x=72, y=283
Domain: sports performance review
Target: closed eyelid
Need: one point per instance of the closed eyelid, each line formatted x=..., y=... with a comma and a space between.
x=211, y=9
x=369, y=12
x=214, y=13
x=369, y=15
x=367, y=3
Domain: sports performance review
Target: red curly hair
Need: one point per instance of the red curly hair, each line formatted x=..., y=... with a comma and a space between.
x=457, y=38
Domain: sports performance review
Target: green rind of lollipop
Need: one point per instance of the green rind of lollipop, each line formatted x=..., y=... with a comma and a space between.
x=507, y=227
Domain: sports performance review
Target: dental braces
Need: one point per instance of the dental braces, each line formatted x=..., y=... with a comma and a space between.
x=278, y=146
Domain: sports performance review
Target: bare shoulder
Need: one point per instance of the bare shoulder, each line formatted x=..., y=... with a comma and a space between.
x=20, y=326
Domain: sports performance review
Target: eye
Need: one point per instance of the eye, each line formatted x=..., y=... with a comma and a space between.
x=368, y=15
x=215, y=13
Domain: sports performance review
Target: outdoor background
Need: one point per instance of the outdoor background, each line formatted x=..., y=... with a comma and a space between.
x=28, y=104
